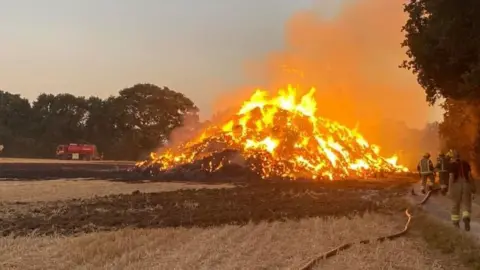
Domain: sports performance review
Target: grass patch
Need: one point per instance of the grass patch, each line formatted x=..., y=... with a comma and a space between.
x=448, y=240
x=275, y=245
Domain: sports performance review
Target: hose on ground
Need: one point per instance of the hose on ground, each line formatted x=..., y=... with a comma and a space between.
x=309, y=265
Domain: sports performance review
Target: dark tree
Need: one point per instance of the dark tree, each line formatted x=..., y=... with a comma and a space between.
x=459, y=128
x=15, y=119
x=59, y=119
x=126, y=126
x=146, y=114
x=100, y=125
x=442, y=38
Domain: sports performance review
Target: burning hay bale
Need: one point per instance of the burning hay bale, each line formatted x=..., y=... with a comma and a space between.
x=227, y=163
x=273, y=137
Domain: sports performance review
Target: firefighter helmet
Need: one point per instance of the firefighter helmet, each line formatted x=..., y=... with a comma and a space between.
x=426, y=155
x=455, y=154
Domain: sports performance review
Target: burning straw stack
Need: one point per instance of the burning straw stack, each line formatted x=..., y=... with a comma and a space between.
x=222, y=165
x=271, y=138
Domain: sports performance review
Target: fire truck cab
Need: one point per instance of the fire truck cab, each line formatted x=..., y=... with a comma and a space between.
x=75, y=151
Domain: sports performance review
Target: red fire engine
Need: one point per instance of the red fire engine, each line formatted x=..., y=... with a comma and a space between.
x=77, y=152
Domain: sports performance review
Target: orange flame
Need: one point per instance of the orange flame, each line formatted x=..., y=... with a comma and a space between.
x=290, y=140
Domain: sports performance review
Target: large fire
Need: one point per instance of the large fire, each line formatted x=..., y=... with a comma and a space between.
x=286, y=138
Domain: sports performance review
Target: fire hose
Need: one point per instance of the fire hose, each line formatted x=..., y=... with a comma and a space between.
x=337, y=250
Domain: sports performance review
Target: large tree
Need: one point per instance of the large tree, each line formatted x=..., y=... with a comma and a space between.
x=145, y=115
x=100, y=127
x=15, y=119
x=59, y=119
x=442, y=38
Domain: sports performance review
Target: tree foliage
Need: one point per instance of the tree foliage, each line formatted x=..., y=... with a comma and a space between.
x=460, y=128
x=126, y=126
x=442, y=38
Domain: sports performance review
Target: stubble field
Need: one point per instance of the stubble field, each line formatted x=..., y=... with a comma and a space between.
x=75, y=223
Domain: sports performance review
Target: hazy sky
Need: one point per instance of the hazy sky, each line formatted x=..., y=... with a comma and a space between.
x=98, y=47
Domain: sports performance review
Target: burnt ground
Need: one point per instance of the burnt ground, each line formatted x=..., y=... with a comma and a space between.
x=253, y=202
x=250, y=201
x=114, y=171
x=54, y=170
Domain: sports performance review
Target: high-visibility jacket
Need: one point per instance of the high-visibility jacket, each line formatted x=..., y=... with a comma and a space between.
x=443, y=164
x=425, y=166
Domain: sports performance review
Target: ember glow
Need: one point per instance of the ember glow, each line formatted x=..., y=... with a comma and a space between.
x=284, y=137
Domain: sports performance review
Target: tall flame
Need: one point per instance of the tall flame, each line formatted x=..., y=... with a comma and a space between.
x=288, y=138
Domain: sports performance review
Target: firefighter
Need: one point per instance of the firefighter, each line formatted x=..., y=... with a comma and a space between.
x=462, y=188
x=426, y=170
x=443, y=162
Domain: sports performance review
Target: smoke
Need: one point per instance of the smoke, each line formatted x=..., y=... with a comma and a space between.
x=353, y=61
x=189, y=128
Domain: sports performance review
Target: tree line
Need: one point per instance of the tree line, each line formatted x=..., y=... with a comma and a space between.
x=442, y=39
x=126, y=126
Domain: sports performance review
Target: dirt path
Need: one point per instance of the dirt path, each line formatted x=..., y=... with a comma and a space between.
x=439, y=207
